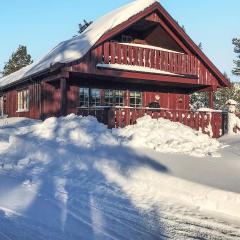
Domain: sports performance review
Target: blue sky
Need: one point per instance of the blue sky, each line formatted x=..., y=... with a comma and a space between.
x=42, y=24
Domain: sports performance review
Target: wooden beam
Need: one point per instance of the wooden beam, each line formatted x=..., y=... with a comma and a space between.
x=211, y=99
x=63, y=96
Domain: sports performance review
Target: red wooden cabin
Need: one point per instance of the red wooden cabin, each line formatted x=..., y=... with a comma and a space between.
x=131, y=59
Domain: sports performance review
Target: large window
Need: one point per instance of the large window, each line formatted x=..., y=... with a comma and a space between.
x=23, y=100
x=89, y=97
x=114, y=97
x=135, y=99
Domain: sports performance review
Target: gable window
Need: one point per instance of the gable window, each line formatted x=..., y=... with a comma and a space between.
x=126, y=39
x=23, y=100
x=135, y=99
x=114, y=97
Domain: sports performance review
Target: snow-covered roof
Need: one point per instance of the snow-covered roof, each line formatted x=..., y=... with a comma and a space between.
x=75, y=48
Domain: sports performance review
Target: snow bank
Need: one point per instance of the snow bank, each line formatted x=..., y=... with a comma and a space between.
x=73, y=168
x=168, y=137
x=146, y=187
x=33, y=140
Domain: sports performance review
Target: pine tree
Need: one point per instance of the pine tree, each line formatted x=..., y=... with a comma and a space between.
x=183, y=28
x=19, y=59
x=236, y=43
x=84, y=26
x=200, y=99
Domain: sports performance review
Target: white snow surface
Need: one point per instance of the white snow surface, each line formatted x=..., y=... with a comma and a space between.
x=77, y=47
x=72, y=178
x=135, y=68
x=170, y=137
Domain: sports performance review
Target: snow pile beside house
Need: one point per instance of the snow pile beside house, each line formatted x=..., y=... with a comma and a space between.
x=165, y=136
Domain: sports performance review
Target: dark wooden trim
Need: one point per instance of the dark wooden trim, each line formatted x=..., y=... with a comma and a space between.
x=63, y=96
x=211, y=99
x=145, y=76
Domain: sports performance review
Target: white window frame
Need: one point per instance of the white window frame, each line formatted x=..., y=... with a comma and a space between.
x=112, y=97
x=84, y=97
x=95, y=97
x=89, y=97
x=23, y=100
x=136, y=96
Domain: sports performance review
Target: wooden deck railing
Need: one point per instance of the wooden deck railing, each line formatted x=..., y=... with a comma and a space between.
x=173, y=62
x=211, y=123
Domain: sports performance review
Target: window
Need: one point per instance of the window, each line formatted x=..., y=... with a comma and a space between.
x=84, y=97
x=114, y=97
x=119, y=98
x=109, y=97
x=95, y=97
x=89, y=97
x=135, y=99
x=126, y=39
x=23, y=100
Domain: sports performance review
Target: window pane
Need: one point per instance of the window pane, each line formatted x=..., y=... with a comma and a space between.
x=84, y=97
x=109, y=97
x=95, y=97
x=135, y=99
x=23, y=100
x=119, y=98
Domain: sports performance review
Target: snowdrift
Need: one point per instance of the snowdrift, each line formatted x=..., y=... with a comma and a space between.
x=165, y=136
x=57, y=163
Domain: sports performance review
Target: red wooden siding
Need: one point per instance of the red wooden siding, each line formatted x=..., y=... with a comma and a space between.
x=50, y=105
x=34, y=102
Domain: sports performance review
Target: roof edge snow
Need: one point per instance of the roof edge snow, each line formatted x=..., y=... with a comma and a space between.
x=76, y=48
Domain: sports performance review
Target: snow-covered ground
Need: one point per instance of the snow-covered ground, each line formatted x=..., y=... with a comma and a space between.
x=72, y=178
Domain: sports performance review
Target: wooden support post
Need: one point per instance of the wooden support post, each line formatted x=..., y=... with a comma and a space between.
x=111, y=118
x=63, y=97
x=211, y=99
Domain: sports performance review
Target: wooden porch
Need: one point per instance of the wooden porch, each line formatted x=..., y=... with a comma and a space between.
x=211, y=123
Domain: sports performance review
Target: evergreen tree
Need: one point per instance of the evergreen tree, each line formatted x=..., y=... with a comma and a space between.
x=224, y=94
x=84, y=26
x=236, y=43
x=200, y=99
x=19, y=59
x=183, y=28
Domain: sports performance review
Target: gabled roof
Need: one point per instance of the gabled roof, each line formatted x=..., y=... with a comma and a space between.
x=101, y=30
x=75, y=48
